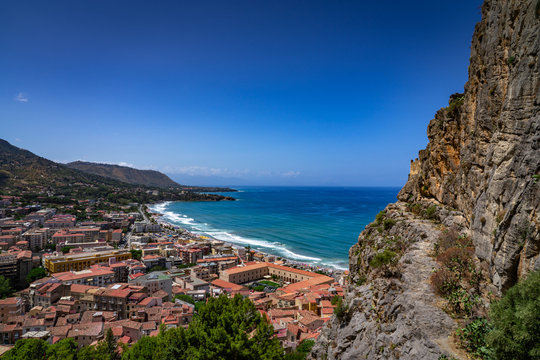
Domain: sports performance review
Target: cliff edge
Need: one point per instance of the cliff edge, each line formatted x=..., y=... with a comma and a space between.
x=476, y=183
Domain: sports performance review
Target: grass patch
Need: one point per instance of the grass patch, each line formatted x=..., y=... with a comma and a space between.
x=382, y=258
x=269, y=283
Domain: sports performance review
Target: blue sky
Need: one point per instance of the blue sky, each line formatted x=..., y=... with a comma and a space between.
x=233, y=92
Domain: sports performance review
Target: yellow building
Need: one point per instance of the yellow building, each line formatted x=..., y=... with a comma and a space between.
x=82, y=260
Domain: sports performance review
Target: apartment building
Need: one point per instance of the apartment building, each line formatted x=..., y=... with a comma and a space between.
x=83, y=260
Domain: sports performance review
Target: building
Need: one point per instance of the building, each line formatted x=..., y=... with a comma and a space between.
x=244, y=274
x=298, y=279
x=37, y=238
x=154, y=260
x=193, y=283
x=45, y=294
x=155, y=281
x=60, y=222
x=9, y=308
x=116, y=235
x=94, y=276
x=66, y=237
x=41, y=215
x=114, y=298
x=121, y=271
x=83, y=260
x=86, y=334
x=16, y=265
x=191, y=255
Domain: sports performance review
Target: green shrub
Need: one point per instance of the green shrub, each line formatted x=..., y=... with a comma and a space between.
x=361, y=281
x=444, y=282
x=341, y=310
x=516, y=321
x=455, y=103
x=65, y=249
x=258, y=288
x=379, y=217
x=388, y=223
x=382, y=258
x=36, y=274
x=454, y=279
x=473, y=338
x=430, y=212
x=446, y=357
x=136, y=254
x=461, y=302
x=415, y=208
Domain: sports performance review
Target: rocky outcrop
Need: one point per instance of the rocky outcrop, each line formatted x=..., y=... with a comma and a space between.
x=479, y=174
x=394, y=313
x=484, y=149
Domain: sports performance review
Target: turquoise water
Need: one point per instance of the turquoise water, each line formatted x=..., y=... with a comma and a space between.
x=314, y=225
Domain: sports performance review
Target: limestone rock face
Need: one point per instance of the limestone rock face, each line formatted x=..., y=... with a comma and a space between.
x=484, y=149
x=393, y=316
x=479, y=174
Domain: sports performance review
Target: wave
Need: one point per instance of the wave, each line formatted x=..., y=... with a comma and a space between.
x=276, y=248
x=160, y=208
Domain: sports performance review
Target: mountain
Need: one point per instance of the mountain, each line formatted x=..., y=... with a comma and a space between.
x=139, y=177
x=22, y=172
x=125, y=174
x=20, y=168
x=472, y=201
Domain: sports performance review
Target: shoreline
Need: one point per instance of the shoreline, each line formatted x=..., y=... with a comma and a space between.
x=331, y=270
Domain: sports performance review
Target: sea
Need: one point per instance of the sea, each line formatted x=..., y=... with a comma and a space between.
x=312, y=225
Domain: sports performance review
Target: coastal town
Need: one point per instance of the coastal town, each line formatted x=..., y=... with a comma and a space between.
x=77, y=270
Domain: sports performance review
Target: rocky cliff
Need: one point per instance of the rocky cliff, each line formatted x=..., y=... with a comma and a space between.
x=478, y=178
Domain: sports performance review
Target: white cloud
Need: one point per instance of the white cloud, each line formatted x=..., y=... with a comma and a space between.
x=123, y=163
x=225, y=172
x=205, y=171
x=21, y=97
x=290, y=174
x=17, y=140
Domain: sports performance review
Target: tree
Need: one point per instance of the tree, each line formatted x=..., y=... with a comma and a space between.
x=185, y=298
x=157, y=268
x=305, y=346
x=232, y=328
x=108, y=348
x=225, y=329
x=87, y=353
x=249, y=255
x=516, y=321
x=36, y=274
x=136, y=254
x=51, y=247
x=65, y=349
x=27, y=349
x=147, y=348
x=5, y=287
x=301, y=351
x=65, y=249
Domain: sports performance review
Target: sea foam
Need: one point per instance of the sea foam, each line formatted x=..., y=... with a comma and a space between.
x=275, y=248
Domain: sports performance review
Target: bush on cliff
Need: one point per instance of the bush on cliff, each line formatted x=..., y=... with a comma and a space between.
x=473, y=338
x=458, y=279
x=516, y=321
x=341, y=310
x=382, y=258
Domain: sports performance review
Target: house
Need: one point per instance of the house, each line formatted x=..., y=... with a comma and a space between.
x=86, y=334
